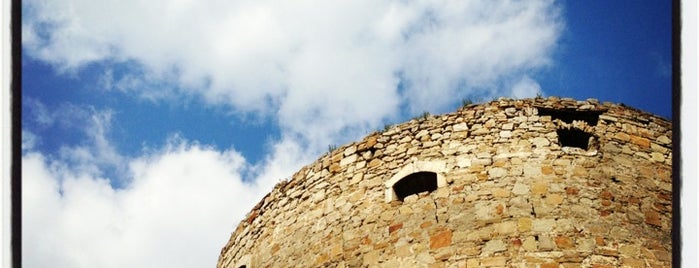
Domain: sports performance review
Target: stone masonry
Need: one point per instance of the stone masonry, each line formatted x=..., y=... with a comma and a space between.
x=543, y=182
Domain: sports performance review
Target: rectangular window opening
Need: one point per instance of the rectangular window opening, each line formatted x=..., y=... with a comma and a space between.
x=415, y=183
x=570, y=115
x=574, y=137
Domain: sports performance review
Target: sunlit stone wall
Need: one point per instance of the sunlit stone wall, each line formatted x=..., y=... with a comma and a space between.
x=523, y=183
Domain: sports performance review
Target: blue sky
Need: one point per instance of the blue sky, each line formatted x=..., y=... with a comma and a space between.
x=150, y=112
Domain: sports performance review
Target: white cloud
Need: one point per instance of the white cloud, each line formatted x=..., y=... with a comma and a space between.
x=93, y=151
x=326, y=71
x=318, y=67
x=29, y=140
x=174, y=207
x=526, y=88
x=178, y=211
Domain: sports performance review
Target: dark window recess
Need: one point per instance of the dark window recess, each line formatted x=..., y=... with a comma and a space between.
x=242, y=266
x=574, y=138
x=415, y=183
x=590, y=117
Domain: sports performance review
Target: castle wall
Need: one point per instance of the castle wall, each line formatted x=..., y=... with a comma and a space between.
x=509, y=194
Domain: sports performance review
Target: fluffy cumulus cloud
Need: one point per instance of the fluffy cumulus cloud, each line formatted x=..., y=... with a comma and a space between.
x=319, y=67
x=526, y=88
x=323, y=71
x=173, y=207
x=177, y=212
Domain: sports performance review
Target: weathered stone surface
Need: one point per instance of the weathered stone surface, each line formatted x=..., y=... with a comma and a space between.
x=520, y=189
x=441, y=239
x=493, y=261
x=493, y=246
x=529, y=244
x=497, y=172
x=509, y=194
x=640, y=141
x=662, y=139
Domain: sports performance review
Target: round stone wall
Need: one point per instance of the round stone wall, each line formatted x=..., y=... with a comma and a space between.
x=511, y=183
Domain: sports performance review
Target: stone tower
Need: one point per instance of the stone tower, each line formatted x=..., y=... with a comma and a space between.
x=510, y=183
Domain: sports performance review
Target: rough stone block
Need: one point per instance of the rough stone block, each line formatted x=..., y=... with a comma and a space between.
x=540, y=188
x=529, y=244
x=520, y=189
x=524, y=224
x=641, y=142
x=564, y=242
x=653, y=218
x=554, y=199
x=546, y=243
x=540, y=142
x=493, y=246
x=441, y=239
x=543, y=225
x=664, y=139
x=497, y=172
x=371, y=257
x=493, y=261
x=505, y=134
x=499, y=192
x=546, y=170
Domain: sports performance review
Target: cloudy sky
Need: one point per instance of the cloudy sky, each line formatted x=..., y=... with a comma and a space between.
x=149, y=128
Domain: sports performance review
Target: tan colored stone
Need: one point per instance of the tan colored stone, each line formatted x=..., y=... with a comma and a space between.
x=539, y=188
x=404, y=251
x=632, y=262
x=441, y=239
x=493, y=246
x=460, y=127
x=554, y=199
x=370, y=142
x=549, y=265
x=546, y=243
x=546, y=170
x=473, y=263
x=657, y=157
x=543, y=225
x=524, y=224
x=520, y=189
x=664, y=140
x=493, y=261
x=580, y=171
x=572, y=191
x=505, y=134
x=335, y=250
x=586, y=244
x=350, y=150
x=497, y=172
x=374, y=162
x=630, y=250
x=606, y=195
x=395, y=227
x=499, y=192
x=564, y=242
x=561, y=162
x=642, y=142
x=622, y=136
x=335, y=167
x=653, y=218
x=529, y=244
x=371, y=257
x=541, y=142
